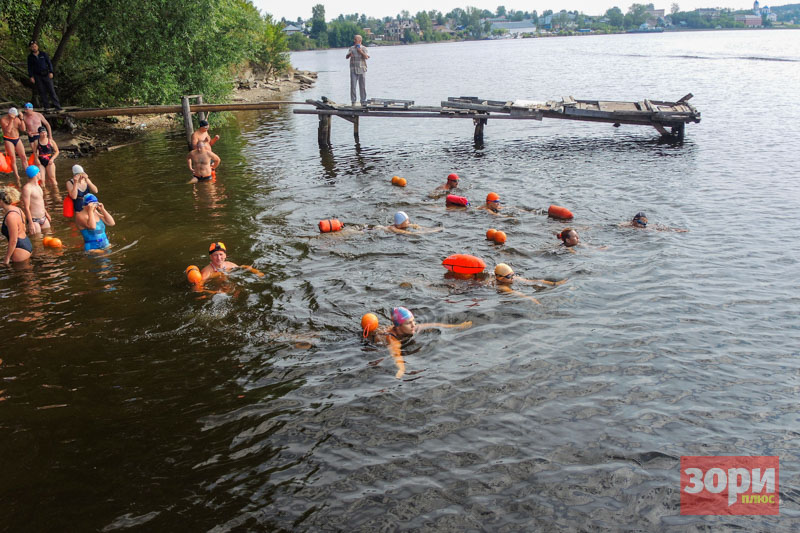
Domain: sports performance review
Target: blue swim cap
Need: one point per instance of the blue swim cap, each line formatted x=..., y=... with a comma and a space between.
x=89, y=199
x=32, y=171
x=401, y=315
x=400, y=217
x=29, y=106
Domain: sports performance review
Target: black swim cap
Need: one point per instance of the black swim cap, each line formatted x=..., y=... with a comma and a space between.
x=42, y=129
x=639, y=215
x=203, y=123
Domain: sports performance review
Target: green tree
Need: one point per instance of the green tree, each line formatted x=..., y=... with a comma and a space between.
x=501, y=11
x=615, y=17
x=270, y=47
x=318, y=24
x=425, y=25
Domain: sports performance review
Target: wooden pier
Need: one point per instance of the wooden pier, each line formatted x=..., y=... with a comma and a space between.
x=668, y=118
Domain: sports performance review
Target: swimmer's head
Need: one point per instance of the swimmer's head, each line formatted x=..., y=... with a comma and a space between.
x=216, y=247
x=203, y=124
x=42, y=131
x=28, y=105
x=639, y=220
x=403, y=320
x=452, y=180
x=32, y=171
x=503, y=273
x=77, y=169
x=217, y=253
x=12, y=111
x=493, y=200
x=569, y=237
x=90, y=199
x=201, y=145
x=9, y=195
x=401, y=220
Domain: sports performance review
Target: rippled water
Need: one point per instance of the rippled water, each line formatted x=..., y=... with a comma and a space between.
x=129, y=402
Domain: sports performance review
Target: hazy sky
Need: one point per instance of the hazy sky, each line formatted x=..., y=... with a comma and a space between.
x=302, y=8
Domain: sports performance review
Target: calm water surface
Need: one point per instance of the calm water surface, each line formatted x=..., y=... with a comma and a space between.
x=131, y=403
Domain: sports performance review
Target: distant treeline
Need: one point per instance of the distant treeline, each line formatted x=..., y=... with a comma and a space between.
x=473, y=23
x=109, y=52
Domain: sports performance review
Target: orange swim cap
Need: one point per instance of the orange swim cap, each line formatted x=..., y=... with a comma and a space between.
x=492, y=197
x=452, y=177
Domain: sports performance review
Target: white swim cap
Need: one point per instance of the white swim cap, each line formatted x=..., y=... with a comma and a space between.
x=400, y=217
x=77, y=169
x=13, y=111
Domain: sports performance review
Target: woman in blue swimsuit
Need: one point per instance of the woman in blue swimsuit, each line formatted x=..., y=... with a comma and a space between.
x=92, y=221
x=13, y=227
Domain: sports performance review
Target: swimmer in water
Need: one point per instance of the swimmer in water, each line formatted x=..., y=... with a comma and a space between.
x=639, y=221
x=504, y=276
x=202, y=135
x=92, y=220
x=219, y=265
x=33, y=201
x=403, y=328
x=451, y=184
x=13, y=227
x=569, y=238
x=492, y=204
x=202, y=163
x=403, y=225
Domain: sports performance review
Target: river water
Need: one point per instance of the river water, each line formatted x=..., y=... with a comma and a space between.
x=131, y=403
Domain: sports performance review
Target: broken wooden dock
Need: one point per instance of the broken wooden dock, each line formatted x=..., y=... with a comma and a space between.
x=668, y=118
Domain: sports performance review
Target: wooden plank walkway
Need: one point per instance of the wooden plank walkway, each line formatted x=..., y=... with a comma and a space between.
x=668, y=118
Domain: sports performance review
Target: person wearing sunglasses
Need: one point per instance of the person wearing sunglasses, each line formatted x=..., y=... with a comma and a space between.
x=639, y=221
x=504, y=276
x=493, y=204
x=402, y=224
x=219, y=264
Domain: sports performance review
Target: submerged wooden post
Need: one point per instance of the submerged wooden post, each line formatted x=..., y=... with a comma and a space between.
x=201, y=114
x=324, y=131
x=187, y=120
x=479, y=124
x=355, y=128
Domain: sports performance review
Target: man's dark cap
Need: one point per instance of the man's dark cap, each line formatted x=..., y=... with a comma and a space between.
x=32, y=42
x=203, y=123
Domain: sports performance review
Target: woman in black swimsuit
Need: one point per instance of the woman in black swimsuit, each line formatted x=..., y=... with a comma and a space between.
x=46, y=151
x=13, y=227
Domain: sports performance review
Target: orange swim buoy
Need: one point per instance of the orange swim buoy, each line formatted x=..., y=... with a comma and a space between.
x=326, y=226
x=46, y=240
x=369, y=323
x=193, y=274
x=54, y=242
x=562, y=213
x=401, y=182
x=499, y=237
x=490, y=233
x=31, y=160
x=464, y=264
x=68, y=207
x=452, y=199
x=5, y=164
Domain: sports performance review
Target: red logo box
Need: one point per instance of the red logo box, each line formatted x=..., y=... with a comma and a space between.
x=729, y=485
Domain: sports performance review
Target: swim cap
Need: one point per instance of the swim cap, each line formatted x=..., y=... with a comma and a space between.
x=216, y=247
x=452, y=177
x=28, y=105
x=13, y=111
x=493, y=197
x=32, y=171
x=203, y=123
x=502, y=270
x=90, y=199
x=400, y=217
x=637, y=218
x=42, y=129
x=401, y=315
x=77, y=169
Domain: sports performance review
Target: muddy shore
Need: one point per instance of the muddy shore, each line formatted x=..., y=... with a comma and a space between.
x=82, y=137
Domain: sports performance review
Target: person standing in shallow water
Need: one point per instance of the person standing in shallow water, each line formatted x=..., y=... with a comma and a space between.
x=357, y=54
x=13, y=227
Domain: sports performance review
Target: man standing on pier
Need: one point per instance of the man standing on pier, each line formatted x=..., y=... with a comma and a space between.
x=357, y=55
x=40, y=69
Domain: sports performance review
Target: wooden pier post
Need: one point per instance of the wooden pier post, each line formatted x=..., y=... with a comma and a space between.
x=187, y=120
x=479, y=124
x=355, y=128
x=324, y=131
x=201, y=114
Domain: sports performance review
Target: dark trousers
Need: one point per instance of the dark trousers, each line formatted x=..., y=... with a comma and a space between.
x=45, y=87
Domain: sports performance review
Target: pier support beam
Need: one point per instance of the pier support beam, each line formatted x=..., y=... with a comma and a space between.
x=479, y=124
x=201, y=115
x=355, y=128
x=187, y=120
x=324, y=131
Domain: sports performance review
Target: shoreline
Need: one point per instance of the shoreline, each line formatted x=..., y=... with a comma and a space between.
x=100, y=135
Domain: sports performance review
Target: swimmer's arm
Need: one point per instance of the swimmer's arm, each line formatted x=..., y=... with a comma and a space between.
x=105, y=215
x=215, y=158
x=212, y=141
x=92, y=187
x=508, y=290
x=430, y=325
x=541, y=281
x=253, y=270
x=49, y=129
x=398, y=230
x=57, y=151
x=422, y=230
x=394, y=350
x=26, y=205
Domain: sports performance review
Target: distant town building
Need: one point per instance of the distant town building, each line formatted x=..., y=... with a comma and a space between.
x=750, y=21
x=523, y=26
x=443, y=29
x=289, y=29
x=709, y=13
x=756, y=8
x=396, y=29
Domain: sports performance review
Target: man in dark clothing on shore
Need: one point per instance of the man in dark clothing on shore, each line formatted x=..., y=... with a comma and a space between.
x=40, y=69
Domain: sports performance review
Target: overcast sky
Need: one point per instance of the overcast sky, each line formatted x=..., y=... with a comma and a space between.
x=302, y=8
